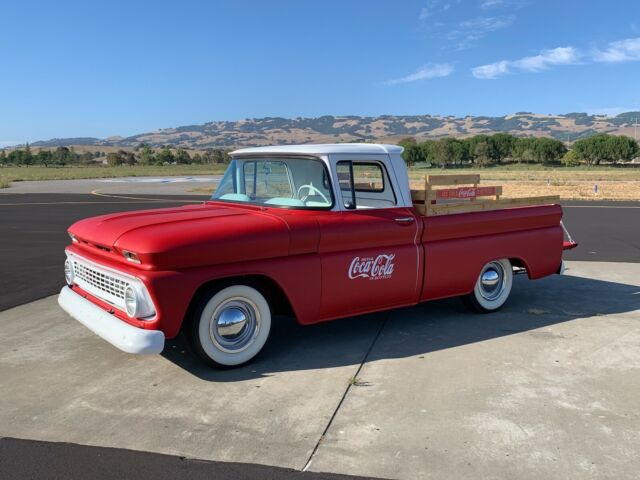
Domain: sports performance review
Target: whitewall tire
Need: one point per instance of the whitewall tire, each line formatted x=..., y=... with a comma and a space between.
x=492, y=288
x=231, y=326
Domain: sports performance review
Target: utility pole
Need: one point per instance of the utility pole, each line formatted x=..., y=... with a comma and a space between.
x=635, y=130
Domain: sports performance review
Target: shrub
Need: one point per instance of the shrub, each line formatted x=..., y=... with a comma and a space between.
x=570, y=159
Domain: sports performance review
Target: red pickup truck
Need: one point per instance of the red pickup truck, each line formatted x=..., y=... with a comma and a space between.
x=319, y=232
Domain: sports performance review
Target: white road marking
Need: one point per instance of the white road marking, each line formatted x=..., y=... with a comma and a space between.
x=136, y=200
x=97, y=193
x=598, y=206
x=159, y=180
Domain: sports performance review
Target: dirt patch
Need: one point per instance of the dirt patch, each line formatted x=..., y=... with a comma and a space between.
x=570, y=184
x=568, y=190
x=607, y=190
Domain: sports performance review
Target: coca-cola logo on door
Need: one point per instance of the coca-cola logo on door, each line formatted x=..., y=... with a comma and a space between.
x=372, y=268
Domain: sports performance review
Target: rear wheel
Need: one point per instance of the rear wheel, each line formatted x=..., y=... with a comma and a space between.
x=231, y=326
x=492, y=287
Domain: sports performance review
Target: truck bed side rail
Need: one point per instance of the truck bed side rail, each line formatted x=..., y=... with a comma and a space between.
x=464, y=194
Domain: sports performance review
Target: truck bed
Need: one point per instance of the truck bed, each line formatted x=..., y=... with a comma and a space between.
x=457, y=246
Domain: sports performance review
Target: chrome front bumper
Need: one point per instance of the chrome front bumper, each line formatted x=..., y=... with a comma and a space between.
x=121, y=335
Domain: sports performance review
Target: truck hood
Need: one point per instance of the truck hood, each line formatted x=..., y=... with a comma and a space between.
x=194, y=235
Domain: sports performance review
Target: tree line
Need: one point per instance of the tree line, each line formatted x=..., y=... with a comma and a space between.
x=60, y=156
x=483, y=150
x=141, y=155
x=146, y=155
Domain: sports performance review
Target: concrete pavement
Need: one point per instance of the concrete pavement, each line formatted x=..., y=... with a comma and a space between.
x=62, y=383
x=158, y=185
x=545, y=388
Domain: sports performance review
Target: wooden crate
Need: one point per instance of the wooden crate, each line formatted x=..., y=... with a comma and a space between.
x=464, y=194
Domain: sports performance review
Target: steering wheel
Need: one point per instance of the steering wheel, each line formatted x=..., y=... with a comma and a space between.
x=311, y=189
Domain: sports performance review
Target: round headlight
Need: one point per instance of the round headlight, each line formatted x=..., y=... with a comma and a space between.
x=130, y=301
x=68, y=272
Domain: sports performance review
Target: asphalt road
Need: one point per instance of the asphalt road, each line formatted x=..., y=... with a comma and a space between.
x=606, y=231
x=32, y=253
x=34, y=235
x=28, y=459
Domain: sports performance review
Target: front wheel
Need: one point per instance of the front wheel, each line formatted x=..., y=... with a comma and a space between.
x=492, y=287
x=231, y=326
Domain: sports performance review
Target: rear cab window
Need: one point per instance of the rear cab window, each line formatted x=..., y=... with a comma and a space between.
x=365, y=185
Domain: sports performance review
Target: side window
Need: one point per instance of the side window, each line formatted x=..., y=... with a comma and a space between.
x=368, y=177
x=365, y=185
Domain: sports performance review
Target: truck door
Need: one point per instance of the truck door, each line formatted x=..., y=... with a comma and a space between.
x=369, y=250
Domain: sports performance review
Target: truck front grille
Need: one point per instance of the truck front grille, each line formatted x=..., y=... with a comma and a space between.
x=100, y=282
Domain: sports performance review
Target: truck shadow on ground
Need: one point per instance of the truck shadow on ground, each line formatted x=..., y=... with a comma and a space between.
x=419, y=330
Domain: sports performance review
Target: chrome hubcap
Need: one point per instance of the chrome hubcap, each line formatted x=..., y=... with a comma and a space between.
x=231, y=323
x=234, y=324
x=492, y=281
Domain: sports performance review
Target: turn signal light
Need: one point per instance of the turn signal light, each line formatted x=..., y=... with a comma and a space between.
x=132, y=257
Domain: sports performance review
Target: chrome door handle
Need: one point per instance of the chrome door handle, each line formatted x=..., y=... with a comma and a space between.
x=405, y=220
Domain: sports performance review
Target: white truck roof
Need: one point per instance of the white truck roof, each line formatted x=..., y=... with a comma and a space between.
x=388, y=154
x=323, y=149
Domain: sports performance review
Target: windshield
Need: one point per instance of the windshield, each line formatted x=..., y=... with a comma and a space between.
x=280, y=182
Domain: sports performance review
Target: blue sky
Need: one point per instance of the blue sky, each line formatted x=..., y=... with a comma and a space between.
x=72, y=69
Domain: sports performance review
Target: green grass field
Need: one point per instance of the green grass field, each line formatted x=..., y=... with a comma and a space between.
x=19, y=174
x=518, y=180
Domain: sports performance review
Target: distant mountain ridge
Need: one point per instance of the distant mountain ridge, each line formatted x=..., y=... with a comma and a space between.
x=351, y=128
